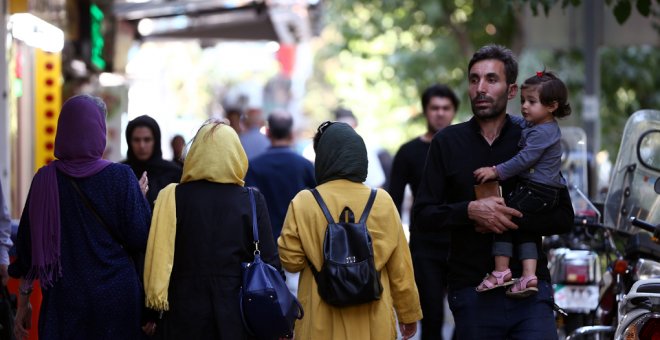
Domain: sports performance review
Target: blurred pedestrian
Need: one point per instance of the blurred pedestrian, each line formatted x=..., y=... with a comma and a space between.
x=280, y=174
x=5, y=238
x=178, y=143
x=341, y=169
x=83, y=218
x=254, y=142
x=376, y=176
x=446, y=200
x=145, y=156
x=234, y=116
x=200, y=235
x=429, y=249
x=6, y=313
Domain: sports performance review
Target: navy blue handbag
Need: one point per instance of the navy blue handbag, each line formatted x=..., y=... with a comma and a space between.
x=268, y=309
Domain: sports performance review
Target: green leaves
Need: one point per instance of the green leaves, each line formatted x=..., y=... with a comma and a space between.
x=644, y=7
x=622, y=11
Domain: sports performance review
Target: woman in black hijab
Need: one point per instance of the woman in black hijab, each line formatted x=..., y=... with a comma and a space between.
x=145, y=155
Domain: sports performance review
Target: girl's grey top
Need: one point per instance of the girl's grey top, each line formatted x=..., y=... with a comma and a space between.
x=539, y=160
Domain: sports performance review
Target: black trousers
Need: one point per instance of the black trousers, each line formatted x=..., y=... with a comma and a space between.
x=430, y=264
x=529, y=198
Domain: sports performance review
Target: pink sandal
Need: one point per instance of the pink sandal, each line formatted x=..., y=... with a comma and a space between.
x=486, y=285
x=521, y=288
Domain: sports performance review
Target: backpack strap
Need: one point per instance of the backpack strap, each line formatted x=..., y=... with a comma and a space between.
x=330, y=220
x=255, y=230
x=319, y=200
x=367, y=208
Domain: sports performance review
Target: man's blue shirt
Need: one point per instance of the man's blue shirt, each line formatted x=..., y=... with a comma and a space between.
x=280, y=174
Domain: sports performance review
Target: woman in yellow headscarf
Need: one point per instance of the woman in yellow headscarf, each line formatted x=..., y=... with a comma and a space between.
x=200, y=234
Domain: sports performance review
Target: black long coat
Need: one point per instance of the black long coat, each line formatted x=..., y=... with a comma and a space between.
x=213, y=238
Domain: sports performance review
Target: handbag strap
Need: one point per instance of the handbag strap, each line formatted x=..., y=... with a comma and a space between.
x=89, y=205
x=255, y=230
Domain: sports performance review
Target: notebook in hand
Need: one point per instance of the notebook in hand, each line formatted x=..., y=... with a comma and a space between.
x=488, y=189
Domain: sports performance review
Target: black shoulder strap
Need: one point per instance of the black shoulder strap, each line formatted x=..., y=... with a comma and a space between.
x=89, y=205
x=319, y=200
x=367, y=208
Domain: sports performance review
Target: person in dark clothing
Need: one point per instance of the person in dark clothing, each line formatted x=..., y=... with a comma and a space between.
x=178, y=143
x=429, y=250
x=544, y=98
x=145, y=156
x=91, y=289
x=446, y=201
x=280, y=173
x=200, y=235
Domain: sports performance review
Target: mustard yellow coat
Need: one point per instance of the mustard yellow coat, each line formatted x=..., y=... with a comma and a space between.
x=302, y=237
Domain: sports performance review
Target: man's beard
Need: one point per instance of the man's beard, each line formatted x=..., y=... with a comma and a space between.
x=497, y=108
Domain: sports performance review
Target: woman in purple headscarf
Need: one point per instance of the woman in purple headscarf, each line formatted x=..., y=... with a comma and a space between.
x=83, y=218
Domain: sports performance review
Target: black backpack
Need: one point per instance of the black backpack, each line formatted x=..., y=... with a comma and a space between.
x=348, y=275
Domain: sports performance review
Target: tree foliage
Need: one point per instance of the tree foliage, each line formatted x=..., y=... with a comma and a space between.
x=378, y=56
x=621, y=9
x=630, y=81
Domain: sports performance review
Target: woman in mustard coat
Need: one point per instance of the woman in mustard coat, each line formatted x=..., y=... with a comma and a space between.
x=341, y=167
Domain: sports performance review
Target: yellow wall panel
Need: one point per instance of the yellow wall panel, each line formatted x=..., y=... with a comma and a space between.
x=18, y=6
x=47, y=103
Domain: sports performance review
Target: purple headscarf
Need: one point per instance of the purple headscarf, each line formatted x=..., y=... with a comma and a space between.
x=79, y=146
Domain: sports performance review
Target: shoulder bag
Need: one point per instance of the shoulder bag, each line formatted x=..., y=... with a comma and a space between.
x=268, y=308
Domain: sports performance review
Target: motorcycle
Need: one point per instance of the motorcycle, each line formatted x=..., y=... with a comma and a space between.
x=573, y=260
x=629, y=305
x=629, y=308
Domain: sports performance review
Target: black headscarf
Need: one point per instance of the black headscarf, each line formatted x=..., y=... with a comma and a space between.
x=159, y=171
x=340, y=154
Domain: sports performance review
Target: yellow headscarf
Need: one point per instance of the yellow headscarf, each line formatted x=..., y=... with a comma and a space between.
x=216, y=155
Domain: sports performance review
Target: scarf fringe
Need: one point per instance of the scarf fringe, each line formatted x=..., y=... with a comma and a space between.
x=157, y=303
x=44, y=273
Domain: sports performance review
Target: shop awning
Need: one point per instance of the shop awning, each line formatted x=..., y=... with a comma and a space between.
x=286, y=21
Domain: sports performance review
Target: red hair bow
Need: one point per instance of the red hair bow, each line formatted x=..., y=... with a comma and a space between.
x=539, y=74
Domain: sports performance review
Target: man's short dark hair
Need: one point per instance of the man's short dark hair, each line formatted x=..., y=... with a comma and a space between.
x=233, y=111
x=344, y=113
x=500, y=53
x=280, y=125
x=439, y=90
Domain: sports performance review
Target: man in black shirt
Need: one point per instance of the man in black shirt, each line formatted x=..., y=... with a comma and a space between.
x=446, y=201
x=429, y=250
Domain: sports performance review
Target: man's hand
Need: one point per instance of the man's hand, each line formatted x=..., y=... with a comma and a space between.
x=144, y=183
x=408, y=330
x=491, y=214
x=485, y=174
